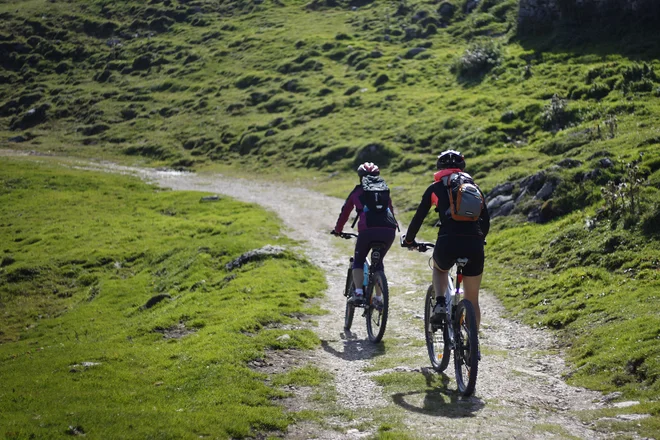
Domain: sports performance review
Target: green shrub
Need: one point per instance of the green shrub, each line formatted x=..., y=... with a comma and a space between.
x=623, y=197
x=556, y=115
x=478, y=59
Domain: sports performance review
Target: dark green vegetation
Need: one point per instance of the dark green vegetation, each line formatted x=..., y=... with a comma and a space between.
x=562, y=125
x=120, y=316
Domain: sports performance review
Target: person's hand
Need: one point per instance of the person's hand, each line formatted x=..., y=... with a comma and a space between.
x=333, y=232
x=408, y=244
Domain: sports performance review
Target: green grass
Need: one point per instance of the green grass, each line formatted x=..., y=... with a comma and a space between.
x=83, y=252
x=605, y=302
x=304, y=92
x=305, y=376
x=557, y=430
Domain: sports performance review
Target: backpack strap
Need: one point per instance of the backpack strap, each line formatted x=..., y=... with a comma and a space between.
x=356, y=219
x=446, y=181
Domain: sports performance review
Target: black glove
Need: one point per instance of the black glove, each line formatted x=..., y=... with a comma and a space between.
x=333, y=232
x=407, y=244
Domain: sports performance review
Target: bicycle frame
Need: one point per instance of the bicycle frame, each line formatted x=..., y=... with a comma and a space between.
x=458, y=332
x=454, y=293
x=376, y=315
x=372, y=260
x=369, y=279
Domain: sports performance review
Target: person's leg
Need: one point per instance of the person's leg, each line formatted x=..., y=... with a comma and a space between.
x=472, y=272
x=358, y=278
x=359, y=257
x=440, y=280
x=471, y=293
x=443, y=260
x=382, y=235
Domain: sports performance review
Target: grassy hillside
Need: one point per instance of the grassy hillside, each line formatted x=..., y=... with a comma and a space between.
x=561, y=124
x=119, y=313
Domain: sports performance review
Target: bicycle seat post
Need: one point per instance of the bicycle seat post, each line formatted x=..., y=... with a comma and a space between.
x=460, y=263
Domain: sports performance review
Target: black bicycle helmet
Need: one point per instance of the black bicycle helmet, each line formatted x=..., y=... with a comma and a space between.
x=450, y=159
x=368, y=169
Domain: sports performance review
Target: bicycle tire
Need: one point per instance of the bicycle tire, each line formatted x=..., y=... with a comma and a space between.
x=437, y=340
x=377, y=319
x=466, y=352
x=350, y=308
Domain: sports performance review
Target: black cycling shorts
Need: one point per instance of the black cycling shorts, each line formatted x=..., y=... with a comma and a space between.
x=363, y=245
x=450, y=247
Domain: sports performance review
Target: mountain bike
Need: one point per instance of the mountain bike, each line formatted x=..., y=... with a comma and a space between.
x=457, y=332
x=375, y=314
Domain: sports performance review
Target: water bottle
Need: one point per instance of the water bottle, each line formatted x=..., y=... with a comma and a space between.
x=366, y=274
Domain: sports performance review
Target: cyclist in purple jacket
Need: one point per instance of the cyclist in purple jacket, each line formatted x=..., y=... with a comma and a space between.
x=373, y=225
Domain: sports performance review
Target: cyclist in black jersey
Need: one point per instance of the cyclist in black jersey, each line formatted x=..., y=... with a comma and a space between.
x=455, y=238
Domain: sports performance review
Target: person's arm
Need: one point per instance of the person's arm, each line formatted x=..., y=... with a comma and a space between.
x=420, y=215
x=345, y=213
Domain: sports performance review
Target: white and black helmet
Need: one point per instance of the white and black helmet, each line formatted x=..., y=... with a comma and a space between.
x=450, y=159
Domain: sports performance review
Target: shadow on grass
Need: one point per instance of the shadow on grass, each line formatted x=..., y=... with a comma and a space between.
x=634, y=42
x=355, y=349
x=438, y=399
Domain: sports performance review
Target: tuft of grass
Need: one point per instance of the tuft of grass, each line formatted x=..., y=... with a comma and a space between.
x=309, y=375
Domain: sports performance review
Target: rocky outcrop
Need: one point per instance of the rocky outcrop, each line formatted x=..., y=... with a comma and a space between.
x=539, y=14
x=267, y=251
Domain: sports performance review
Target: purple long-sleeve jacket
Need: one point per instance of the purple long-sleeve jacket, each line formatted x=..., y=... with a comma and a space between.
x=353, y=201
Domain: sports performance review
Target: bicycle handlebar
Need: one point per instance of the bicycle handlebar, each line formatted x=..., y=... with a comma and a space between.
x=418, y=246
x=345, y=235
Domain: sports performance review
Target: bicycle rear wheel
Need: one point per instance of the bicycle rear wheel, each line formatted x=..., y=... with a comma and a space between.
x=466, y=353
x=437, y=336
x=348, y=293
x=377, y=316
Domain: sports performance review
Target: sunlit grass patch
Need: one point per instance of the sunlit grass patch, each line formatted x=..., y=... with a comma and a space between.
x=82, y=326
x=632, y=417
x=548, y=428
x=305, y=376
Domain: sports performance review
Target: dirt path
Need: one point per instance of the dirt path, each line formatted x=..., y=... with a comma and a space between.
x=520, y=393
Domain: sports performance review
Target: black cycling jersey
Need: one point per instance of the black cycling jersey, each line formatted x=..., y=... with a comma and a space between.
x=448, y=225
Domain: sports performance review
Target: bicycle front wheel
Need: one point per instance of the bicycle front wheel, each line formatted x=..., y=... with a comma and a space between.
x=377, y=315
x=348, y=293
x=437, y=336
x=466, y=353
